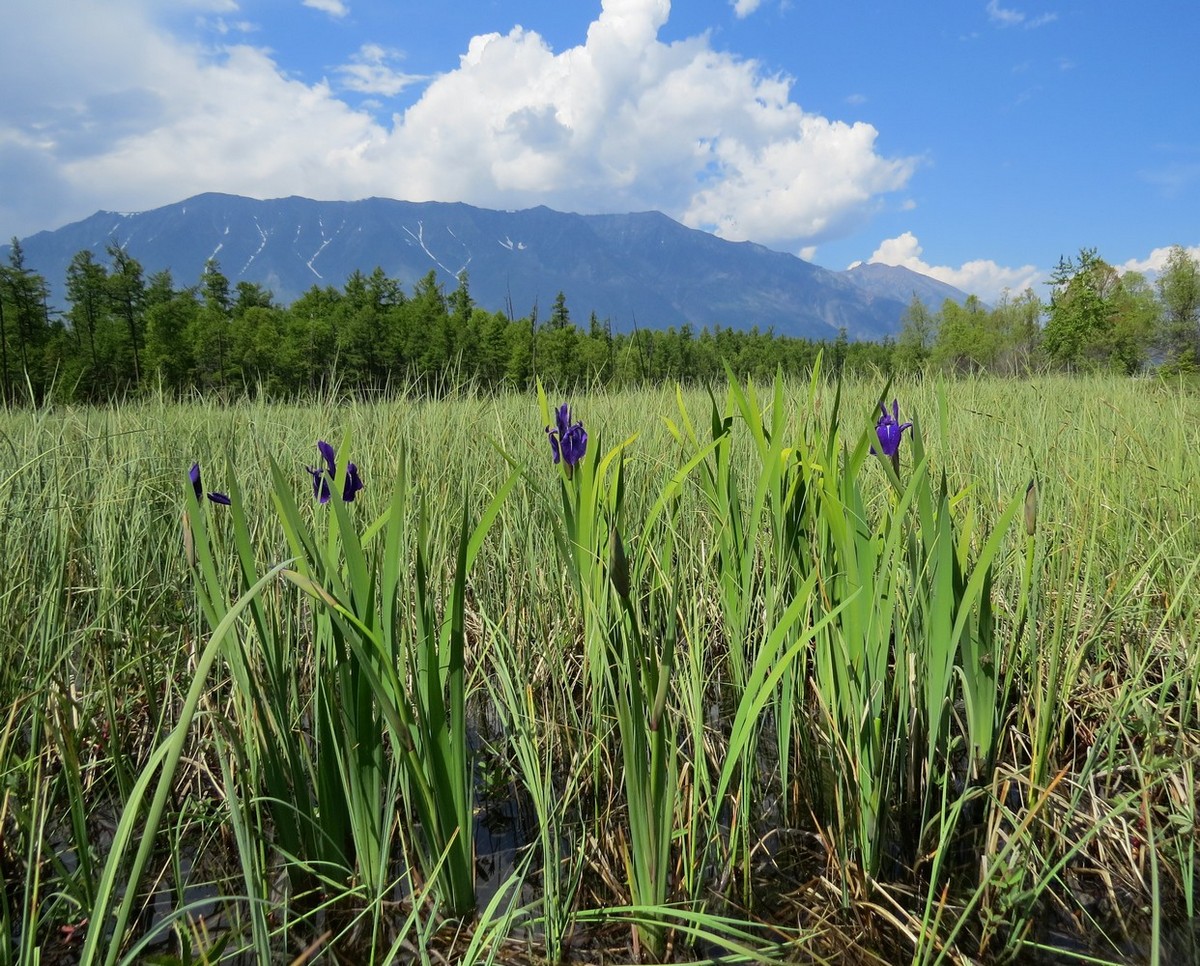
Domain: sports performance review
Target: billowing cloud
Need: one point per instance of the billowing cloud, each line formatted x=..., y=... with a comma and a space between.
x=128, y=115
x=782, y=188
x=625, y=121
x=125, y=115
x=1153, y=263
x=982, y=277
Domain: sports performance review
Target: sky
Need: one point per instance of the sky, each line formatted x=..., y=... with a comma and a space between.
x=977, y=141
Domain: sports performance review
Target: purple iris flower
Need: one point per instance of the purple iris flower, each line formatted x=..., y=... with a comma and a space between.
x=194, y=476
x=567, y=442
x=322, y=475
x=889, y=429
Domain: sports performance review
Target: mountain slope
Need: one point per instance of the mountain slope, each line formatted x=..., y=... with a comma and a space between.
x=634, y=269
x=901, y=283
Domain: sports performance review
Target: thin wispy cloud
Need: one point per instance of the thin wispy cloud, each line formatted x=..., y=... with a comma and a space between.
x=224, y=27
x=1011, y=17
x=335, y=8
x=1005, y=18
x=1173, y=179
x=371, y=71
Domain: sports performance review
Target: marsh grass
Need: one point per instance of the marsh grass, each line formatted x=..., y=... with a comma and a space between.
x=829, y=707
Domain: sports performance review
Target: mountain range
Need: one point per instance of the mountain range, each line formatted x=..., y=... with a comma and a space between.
x=640, y=269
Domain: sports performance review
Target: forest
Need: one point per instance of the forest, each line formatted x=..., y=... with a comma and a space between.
x=125, y=333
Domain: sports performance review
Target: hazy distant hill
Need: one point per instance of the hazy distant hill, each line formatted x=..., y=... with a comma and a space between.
x=638, y=268
x=902, y=283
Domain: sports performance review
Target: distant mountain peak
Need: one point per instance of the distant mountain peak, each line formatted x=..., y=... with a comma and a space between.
x=898, y=282
x=639, y=266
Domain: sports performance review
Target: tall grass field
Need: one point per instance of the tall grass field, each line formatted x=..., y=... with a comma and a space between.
x=749, y=674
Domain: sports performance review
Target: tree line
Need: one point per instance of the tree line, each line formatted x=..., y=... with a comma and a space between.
x=124, y=332
x=1097, y=318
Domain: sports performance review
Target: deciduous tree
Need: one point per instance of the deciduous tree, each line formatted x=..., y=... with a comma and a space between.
x=1179, y=292
x=918, y=334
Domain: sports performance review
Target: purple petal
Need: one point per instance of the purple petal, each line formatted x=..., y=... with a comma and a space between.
x=353, y=483
x=320, y=485
x=553, y=434
x=194, y=476
x=574, y=444
x=563, y=417
x=328, y=453
x=889, y=439
x=889, y=429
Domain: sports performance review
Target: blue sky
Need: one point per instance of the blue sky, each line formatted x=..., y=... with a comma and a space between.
x=975, y=140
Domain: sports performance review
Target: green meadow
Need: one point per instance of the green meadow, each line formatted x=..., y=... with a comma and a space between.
x=731, y=688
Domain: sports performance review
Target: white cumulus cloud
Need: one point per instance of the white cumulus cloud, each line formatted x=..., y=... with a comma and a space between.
x=743, y=8
x=626, y=121
x=128, y=114
x=1153, y=263
x=982, y=277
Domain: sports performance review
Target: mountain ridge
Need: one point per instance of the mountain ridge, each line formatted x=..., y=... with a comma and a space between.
x=639, y=268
